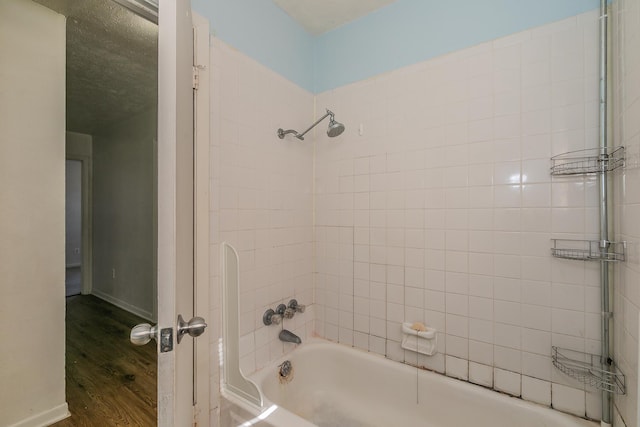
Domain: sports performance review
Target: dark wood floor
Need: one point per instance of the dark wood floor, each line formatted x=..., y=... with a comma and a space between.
x=110, y=382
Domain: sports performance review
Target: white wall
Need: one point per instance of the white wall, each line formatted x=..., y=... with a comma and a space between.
x=626, y=131
x=124, y=230
x=78, y=144
x=443, y=209
x=79, y=147
x=262, y=198
x=73, y=213
x=32, y=163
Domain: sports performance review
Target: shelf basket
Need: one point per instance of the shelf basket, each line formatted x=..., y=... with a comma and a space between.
x=595, y=160
x=587, y=369
x=588, y=250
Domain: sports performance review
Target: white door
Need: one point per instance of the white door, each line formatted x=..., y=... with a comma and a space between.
x=183, y=376
x=183, y=232
x=176, y=225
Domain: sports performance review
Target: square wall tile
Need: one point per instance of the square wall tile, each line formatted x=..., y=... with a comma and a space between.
x=536, y=390
x=481, y=374
x=457, y=368
x=506, y=381
x=481, y=352
x=568, y=399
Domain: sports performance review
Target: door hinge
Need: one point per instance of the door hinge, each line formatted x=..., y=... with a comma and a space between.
x=196, y=76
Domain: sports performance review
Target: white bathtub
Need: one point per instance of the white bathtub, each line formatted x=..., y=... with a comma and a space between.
x=337, y=386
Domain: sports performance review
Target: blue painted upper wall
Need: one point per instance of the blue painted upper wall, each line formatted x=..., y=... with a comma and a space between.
x=403, y=33
x=263, y=31
x=410, y=31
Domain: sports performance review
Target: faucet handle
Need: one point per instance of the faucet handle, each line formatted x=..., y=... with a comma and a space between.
x=299, y=308
x=281, y=309
x=270, y=317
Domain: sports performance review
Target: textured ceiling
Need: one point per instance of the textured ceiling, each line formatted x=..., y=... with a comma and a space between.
x=112, y=62
x=320, y=16
x=112, y=54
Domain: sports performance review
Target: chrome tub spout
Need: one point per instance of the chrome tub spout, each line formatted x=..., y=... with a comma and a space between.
x=288, y=336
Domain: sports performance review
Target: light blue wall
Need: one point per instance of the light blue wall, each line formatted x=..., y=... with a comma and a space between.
x=409, y=31
x=263, y=31
x=403, y=33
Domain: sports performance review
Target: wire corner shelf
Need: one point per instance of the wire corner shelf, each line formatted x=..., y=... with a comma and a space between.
x=590, y=161
x=589, y=250
x=587, y=368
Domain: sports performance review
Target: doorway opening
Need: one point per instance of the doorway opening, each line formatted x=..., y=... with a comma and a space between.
x=111, y=212
x=73, y=227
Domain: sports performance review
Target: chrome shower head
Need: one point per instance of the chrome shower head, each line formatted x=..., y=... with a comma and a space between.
x=335, y=128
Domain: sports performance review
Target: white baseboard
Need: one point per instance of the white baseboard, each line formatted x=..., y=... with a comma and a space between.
x=124, y=305
x=45, y=418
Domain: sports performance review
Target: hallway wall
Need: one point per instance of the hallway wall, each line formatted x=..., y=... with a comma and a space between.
x=73, y=213
x=79, y=144
x=124, y=228
x=32, y=172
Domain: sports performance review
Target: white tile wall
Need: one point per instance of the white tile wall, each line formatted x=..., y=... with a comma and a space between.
x=262, y=199
x=626, y=113
x=436, y=205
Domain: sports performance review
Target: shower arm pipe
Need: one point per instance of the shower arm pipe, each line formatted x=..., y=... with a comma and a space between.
x=300, y=136
x=282, y=133
x=603, y=189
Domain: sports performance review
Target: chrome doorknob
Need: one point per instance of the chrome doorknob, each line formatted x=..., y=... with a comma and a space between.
x=194, y=327
x=143, y=333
